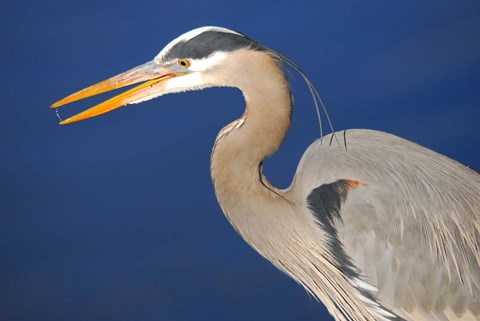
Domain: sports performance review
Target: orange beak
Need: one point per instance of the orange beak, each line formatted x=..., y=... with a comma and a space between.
x=150, y=73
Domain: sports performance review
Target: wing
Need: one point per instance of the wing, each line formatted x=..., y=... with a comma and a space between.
x=406, y=217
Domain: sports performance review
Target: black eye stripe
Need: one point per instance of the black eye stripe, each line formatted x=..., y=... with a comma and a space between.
x=206, y=43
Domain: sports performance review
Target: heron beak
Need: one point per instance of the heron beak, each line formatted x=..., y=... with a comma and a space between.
x=151, y=74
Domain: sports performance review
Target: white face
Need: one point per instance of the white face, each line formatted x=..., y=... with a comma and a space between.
x=194, y=65
x=191, y=71
x=192, y=75
x=198, y=59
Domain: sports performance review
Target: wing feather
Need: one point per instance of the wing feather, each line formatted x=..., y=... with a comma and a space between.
x=412, y=229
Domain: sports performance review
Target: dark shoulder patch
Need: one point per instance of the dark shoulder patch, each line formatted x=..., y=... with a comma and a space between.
x=327, y=199
x=325, y=202
x=208, y=42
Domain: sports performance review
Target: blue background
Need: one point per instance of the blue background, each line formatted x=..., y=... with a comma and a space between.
x=114, y=218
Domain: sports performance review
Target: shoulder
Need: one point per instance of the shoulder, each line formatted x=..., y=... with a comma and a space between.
x=378, y=159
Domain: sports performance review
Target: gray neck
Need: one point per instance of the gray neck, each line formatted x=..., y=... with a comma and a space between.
x=242, y=145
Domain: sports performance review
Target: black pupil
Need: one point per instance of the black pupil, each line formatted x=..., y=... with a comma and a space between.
x=183, y=63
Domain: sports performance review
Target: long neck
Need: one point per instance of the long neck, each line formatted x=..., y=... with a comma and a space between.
x=242, y=145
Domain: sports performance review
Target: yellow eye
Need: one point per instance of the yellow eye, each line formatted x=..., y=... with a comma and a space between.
x=184, y=63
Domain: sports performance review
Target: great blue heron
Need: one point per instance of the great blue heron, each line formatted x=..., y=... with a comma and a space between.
x=382, y=230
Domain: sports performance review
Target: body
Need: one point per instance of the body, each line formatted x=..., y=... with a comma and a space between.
x=376, y=227
x=379, y=225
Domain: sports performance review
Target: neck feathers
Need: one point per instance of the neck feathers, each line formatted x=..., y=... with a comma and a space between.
x=242, y=145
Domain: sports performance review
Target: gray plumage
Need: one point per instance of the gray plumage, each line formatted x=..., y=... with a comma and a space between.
x=412, y=230
x=382, y=230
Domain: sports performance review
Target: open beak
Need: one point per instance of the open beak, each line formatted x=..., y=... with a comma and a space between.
x=151, y=74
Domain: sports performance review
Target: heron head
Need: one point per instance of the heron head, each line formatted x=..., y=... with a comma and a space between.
x=201, y=58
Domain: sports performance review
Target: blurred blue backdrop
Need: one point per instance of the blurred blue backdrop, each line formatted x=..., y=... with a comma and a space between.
x=114, y=218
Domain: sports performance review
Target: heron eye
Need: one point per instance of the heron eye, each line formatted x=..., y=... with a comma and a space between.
x=184, y=63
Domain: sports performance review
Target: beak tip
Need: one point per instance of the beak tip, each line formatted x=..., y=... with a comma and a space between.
x=55, y=105
x=66, y=121
x=146, y=73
